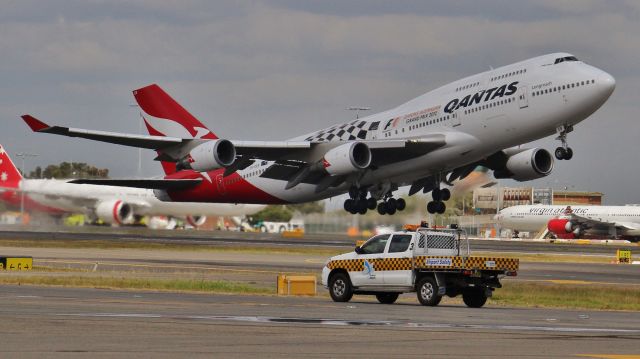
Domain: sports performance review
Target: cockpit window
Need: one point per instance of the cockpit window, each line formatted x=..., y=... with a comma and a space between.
x=567, y=58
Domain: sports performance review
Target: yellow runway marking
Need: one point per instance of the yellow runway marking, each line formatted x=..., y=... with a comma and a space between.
x=568, y=281
x=611, y=356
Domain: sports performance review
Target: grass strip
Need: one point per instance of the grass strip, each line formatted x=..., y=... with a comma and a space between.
x=117, y=244
x=179, y=285
x=550, y=295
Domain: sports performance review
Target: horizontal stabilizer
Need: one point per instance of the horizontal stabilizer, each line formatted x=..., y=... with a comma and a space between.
x=165, y=184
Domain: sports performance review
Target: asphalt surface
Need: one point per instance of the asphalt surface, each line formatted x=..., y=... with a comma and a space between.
x=67, y=322
x=213, y=238
x=264, y=267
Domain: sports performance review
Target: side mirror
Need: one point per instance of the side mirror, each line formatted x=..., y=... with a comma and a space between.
x=359, y=250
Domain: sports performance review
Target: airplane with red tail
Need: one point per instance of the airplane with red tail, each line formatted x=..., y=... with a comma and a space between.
x=116, y=205
x=439, y=137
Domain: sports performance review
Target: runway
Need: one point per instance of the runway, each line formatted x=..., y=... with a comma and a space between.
x=216, y=238
x=59, y=322
x=263, y=267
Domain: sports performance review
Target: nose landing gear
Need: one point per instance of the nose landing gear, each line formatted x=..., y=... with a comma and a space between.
x=564, y=152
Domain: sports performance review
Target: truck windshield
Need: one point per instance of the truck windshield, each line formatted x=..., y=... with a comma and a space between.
x=399, y=243
x=375, y=244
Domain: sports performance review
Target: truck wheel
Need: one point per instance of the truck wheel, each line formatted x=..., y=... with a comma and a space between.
x=340, y=288
x=427, y=291
x=474, y=297
x=282, y=229
x=387, y=298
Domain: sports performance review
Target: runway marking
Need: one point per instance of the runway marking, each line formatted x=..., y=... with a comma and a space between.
x=570, y=281
x=341, y=322
x=611, y=356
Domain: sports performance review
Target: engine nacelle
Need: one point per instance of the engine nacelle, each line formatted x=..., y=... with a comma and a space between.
x=209, y=156
x=114, y=212
x=196, y=221
x=527, y=165
x=563, y=228
x=347, y=158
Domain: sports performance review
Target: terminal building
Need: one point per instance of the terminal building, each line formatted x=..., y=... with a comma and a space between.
x=492, y=199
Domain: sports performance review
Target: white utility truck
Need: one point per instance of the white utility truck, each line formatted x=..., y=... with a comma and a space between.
x=430, y=262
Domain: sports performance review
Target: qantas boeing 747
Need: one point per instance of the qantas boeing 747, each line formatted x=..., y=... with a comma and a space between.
x=436, y=138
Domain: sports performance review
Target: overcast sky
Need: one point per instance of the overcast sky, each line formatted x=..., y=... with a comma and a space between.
x=276, y=69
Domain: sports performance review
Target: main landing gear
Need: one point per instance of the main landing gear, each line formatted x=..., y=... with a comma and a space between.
x=564, y=152
x=360, y=204
x=439, y=197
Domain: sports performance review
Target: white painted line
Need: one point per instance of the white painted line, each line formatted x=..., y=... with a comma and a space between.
x=341, y=322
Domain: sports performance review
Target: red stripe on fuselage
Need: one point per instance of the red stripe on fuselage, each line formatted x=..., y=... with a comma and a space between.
x=14, y=198
x=231, y=189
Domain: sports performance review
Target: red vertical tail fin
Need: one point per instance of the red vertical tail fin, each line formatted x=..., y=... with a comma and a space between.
x=10, y=177
x=164, y=116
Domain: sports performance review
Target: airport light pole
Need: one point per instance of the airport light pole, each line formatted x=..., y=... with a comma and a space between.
x=22, y=156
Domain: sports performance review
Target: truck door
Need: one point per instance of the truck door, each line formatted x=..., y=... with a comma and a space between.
x=398, y=267
x=372, y=254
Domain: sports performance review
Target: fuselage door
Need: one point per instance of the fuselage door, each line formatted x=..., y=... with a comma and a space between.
x=456, y=118
x=523, y=99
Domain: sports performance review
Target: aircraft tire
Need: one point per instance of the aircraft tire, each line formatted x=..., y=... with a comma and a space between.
x=445, y=194
x=372, y=203
x=560, y=153
x=382, y=209
x=401, y=204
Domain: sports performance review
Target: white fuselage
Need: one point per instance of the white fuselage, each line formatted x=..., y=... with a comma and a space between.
x=536, y=217
x=83, y=198
x=478, y=115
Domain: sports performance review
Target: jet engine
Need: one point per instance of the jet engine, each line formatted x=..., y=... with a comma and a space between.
x=564, y=228
x=114, y=212
x=196, y=221
x=209, y=156
x=347, y=158
x=527, y=165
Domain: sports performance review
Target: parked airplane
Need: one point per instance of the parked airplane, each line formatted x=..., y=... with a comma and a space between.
x=438, y=137
x=111, y=204
x=574, y=221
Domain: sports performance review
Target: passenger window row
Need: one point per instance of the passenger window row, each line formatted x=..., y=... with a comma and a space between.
x=490, y=105
x=563, y=87
x=509, y=74
x=429, y=122
x=467, y=86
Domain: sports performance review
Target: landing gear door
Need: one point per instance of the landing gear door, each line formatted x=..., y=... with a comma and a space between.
x=523, y=97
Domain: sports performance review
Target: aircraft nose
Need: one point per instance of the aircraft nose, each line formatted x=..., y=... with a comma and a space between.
x=607, y=83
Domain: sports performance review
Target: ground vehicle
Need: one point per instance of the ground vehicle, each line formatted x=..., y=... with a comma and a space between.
x=279, y=227
x=430, y=262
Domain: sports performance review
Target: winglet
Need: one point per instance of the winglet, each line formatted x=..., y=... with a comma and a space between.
x=35, y=124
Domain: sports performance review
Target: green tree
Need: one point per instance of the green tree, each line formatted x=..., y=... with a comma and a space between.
x=308, y=207
x=71, y=170
x=274, y=213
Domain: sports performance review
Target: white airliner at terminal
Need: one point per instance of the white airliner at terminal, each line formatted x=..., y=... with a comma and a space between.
x=574, y=220
x=438, y=137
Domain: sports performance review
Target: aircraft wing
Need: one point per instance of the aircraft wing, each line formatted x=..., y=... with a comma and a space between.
x=165, y=184
x=597, y=223
x=173, y=148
